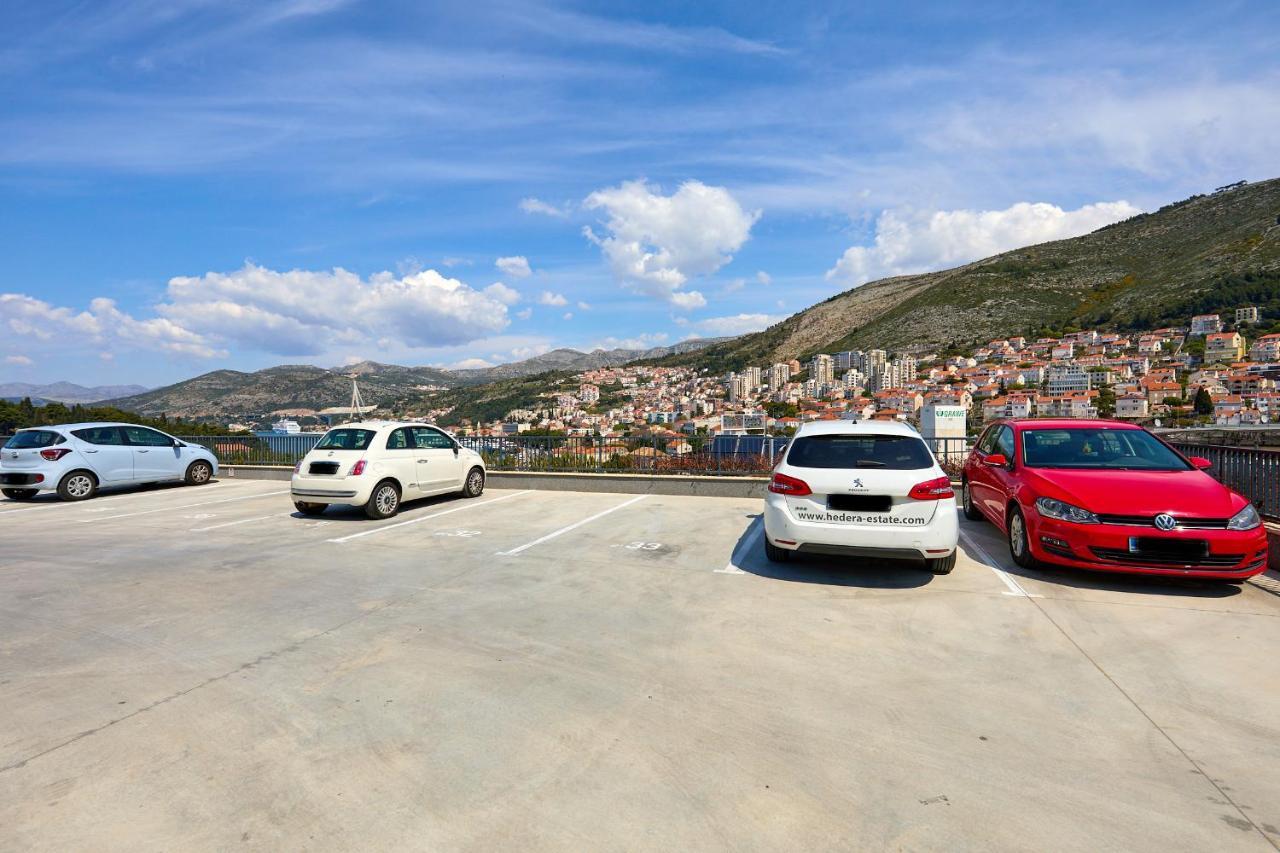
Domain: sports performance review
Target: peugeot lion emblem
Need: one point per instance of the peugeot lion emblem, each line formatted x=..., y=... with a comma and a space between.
x=857, y=484
x=1164, y=521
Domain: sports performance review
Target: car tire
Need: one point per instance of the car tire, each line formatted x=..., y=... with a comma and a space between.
x=473, y=486
x=77, y=486
x=309, y=508
x=1020, y=541
x=384, y=501
x=198, y=473
x=941, y=565
x=774, y=553
x=18, y=494
x=971, y=512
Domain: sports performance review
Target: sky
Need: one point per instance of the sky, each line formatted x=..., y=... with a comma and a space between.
x=190, y=186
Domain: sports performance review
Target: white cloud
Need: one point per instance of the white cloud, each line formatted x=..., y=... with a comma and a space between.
x=568, y=315
x=734, y=286
x=655, y=243
x=530, y=351
x=101, y=325
x=470, y=364
x=536, y=205
x=502, y=293
x=449, y=262
x=642, y=341
x=764, y=278
x=525, y=314
x=738, y=324
x=911, y=242
x=19, y=360
x=305, y=312
x=555, y=300
x=584, y=306
x=516, y=266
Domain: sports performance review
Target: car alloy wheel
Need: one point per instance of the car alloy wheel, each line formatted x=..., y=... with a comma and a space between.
x=475, y=483
x=199, y=473
x=1019, y=546
x=77, y=487
x=386, y=499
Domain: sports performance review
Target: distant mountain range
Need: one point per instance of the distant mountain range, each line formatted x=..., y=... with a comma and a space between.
x=1206, y=253
x=66, y=392
x=299, y=388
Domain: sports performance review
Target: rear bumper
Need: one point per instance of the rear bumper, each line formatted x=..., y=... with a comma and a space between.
x=930, y=541
x=23, y=479
x=330, y=490
x=1105, y=547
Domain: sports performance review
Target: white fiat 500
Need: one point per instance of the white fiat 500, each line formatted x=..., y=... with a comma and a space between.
x=861, y=489
x=380, y=464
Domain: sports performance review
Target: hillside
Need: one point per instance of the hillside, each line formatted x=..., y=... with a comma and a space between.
x=1209, y=252
x=300, y=388
x=66, y=392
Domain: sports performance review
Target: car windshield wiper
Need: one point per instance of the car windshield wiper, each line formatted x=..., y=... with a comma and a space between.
x=868, y=463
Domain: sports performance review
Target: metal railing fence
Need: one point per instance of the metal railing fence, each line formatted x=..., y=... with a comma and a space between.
x=727, y=455
x=1252, y=471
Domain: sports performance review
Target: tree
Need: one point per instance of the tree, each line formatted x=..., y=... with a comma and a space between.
x=1106, y=401
x=1203, y=402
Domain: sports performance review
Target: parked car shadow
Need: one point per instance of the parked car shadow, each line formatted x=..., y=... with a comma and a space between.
x=748, y=556
x=990, y=540
x=107, y=491
x=408, y=509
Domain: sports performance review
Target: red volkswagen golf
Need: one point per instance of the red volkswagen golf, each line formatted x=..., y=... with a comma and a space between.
x=1110, y=496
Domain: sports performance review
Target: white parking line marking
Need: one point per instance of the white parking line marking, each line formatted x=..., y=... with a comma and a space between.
x=1014, y=587
x=427, y=517
x=745, y=548
x=574, y=526
x=240, y=521
x=181, y=506
x=108, y=497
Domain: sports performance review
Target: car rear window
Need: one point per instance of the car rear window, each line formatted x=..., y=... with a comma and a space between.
x=34, y=438
x=346, y=439
x=893, y=452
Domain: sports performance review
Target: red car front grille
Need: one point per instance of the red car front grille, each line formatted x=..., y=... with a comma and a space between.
x=1150, y=521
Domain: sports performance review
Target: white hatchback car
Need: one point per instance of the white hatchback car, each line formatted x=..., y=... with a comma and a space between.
x=379, y=464
x=75, y=460
x=862, y=489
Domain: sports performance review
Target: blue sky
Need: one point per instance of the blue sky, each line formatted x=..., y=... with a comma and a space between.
x=190, y=186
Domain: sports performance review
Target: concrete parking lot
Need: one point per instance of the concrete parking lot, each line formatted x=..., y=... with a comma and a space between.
x=200, y=668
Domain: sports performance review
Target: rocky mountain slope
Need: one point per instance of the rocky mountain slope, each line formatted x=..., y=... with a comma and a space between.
x=66, y=392
x=1207, y=252
x=301, y=388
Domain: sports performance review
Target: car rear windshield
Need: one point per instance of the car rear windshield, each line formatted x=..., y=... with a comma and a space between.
x=1085, y=447
x=346, y=439
x=894, y=452
x=34, y=438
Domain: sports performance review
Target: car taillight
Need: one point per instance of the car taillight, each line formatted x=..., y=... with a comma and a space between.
x=784, y=485
x=357, y=469
x=297, y=467
x=932, y=490
x=53, y=454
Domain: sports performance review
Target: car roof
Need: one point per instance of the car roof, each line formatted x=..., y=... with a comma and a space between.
x=851, y=427
x=378, y=426
x=86, y=425
x=1067, y=423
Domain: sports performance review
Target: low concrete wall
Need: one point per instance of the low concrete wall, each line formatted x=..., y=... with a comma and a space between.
x=631, y=484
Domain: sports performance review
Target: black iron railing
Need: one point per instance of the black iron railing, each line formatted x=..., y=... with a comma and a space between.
x=1252, y=471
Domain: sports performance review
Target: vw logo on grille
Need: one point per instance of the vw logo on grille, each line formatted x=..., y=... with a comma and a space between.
x=1164, y=521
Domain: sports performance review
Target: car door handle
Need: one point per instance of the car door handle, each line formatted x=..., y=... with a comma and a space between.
x=87, y=450
x=424, y=460
x=143, y=451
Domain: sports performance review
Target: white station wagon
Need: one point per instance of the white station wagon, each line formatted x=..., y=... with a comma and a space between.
x=380, y=464
x=861, y=489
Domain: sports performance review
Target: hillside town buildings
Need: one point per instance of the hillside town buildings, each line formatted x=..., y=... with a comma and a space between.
x=1149, y=377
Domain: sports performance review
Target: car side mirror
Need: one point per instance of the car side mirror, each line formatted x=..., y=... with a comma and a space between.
x=998, y=460
x=455, y=450
x=1201, y=463
x=177, y=443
